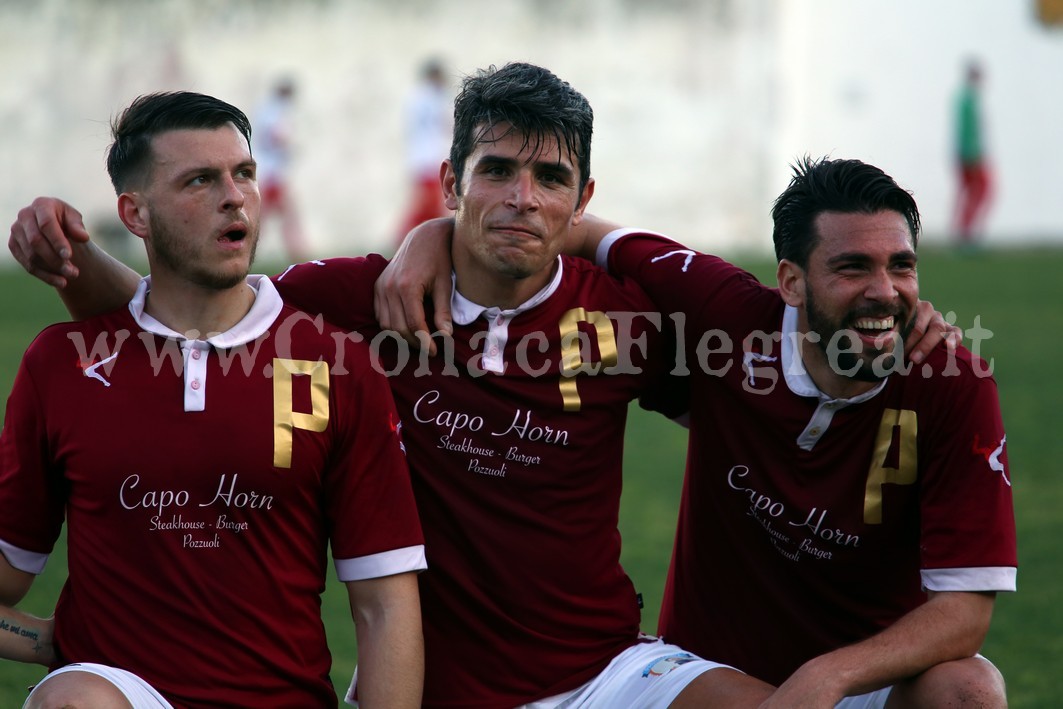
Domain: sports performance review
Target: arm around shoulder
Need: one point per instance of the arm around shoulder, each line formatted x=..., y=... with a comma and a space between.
x=49, y=240
x=103, y=283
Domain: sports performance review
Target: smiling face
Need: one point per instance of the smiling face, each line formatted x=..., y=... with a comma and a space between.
x=518, y=202
x=857, y=297
x=198, y=209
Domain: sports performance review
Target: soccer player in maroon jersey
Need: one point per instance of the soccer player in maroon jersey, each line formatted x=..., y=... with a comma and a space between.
x=846, y=518
x=205, y=445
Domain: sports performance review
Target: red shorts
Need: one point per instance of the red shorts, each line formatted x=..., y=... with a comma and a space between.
x=273, y=194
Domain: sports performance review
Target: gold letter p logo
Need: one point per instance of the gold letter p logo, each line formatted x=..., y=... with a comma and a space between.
x=285, y=419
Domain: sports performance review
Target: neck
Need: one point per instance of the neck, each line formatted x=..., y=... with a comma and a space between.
x=828, y=381
x=499, y=290
x=184, y=308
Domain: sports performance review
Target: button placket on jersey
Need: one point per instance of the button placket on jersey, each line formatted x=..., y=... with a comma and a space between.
x=495, y=341
x=819, y=422
x=195, y=375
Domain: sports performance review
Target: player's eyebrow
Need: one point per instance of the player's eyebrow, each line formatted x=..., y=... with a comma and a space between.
x=214, y=170
x=555, y=166
x=862, y=257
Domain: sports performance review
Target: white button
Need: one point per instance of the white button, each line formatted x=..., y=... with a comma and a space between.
x=493, y=351
x=195, y=354
x=195, y=384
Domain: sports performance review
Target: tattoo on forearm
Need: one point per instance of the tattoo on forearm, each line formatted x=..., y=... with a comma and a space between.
x=21, y=632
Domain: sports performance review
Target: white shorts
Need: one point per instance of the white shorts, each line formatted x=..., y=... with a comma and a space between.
x=649, y=675
x=137, y=692
x=871, y=700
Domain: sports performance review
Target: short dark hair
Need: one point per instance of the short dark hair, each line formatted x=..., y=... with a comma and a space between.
x=532, y=100
x=847, y=186
x=129, y=156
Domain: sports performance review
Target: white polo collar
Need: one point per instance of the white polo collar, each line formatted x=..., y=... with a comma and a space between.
x=800, y=383
x=465, y=312
x=797, y=377
x=264, y=311
x=194, y=352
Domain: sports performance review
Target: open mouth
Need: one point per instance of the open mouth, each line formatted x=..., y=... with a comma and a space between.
x=873, y=326
x=233, y=235
x=880, y=330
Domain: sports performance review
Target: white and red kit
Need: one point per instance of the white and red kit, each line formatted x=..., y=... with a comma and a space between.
x=202, y=481
x=515, y=445
x=808, y=523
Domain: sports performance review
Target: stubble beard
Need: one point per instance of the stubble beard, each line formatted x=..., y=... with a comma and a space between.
x=181, y=258
x=838, y=343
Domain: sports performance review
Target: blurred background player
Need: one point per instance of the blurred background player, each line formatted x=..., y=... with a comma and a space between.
x=428, y=121
x=272, y=141
x=972, y=167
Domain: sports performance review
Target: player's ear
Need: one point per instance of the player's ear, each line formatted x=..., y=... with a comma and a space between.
x=133, y=211
x=449, y=181
x=791, y=279
x=584, y=198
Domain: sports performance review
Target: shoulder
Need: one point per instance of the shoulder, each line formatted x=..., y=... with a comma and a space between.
x=954, y=390
x=960, y=369
x=62, y=339
x=339, y=288
x=582, y=276
x=331, y=271
x=679, y=278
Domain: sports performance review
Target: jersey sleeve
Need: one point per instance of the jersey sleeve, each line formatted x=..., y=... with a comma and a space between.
x=32, y=493
x=696, y=293
x=374, y=526
x=700, y=291
x=968, y=521
x=339, y=289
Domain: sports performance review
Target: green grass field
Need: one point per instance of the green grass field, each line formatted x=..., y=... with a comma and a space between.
x=1018, y=295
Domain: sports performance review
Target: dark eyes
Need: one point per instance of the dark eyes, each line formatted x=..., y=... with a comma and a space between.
x=247, y=173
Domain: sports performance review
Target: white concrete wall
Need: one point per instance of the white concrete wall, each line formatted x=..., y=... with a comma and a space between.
x=699, y=104
x=877, y=80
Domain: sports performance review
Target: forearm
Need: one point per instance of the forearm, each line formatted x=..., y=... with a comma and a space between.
x=390, y=642
x=584, y=238
x=950, y=626
x=25, y=638
x=103, y=283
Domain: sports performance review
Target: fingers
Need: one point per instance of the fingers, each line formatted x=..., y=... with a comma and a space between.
x=399, y=306
x=40, y=240
x=442, y=287
x=413, y=318
x=930, y=329
x=40, y=255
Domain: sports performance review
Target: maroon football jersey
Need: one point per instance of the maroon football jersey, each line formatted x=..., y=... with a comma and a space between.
x=514, y=433
x=202, y=481
x=808, y=523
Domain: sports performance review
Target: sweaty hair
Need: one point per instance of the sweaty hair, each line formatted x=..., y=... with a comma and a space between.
x=129, y=157
x=534, y=102
x=847, y=186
